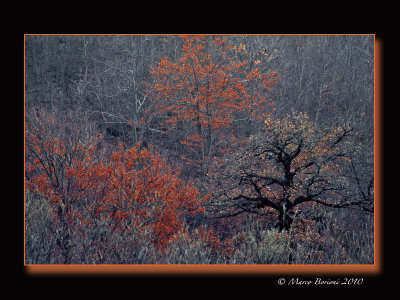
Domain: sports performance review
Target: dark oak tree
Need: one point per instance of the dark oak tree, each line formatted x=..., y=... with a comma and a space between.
x=291, y=164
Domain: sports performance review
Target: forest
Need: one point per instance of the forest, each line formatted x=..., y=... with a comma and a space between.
x=199, y=149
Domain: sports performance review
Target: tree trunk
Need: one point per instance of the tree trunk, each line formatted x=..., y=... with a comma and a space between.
x=285, y=220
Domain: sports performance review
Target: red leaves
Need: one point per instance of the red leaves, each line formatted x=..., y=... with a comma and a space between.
x=210, y=238
x=208, y=85
x=132, y=186
x=143, y=185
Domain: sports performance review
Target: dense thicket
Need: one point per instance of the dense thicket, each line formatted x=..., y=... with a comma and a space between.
x=199, y=149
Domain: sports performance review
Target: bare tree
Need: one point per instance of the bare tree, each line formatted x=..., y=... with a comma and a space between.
x=290, y=164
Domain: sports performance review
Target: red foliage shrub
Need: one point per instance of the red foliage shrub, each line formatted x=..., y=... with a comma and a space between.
x=132, y=188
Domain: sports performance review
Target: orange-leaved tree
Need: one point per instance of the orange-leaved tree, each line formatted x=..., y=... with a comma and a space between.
x=129, y=189
x=212, y=86
x=142, y=184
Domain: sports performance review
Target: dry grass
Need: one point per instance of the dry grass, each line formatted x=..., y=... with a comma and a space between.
x=343, y=237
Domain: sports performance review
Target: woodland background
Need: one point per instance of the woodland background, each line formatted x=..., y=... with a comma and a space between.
x=215, y=149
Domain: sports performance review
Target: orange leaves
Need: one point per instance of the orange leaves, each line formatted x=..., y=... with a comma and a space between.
x=269, y=80
x=193, y=140
x=254, y=74
x=241, y=48
x=132, y=186
x=206, y=87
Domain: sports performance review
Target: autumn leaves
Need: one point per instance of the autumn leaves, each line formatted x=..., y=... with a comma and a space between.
x=205, y=98
x=134, y=187
x=290, y=163
x=209, y=89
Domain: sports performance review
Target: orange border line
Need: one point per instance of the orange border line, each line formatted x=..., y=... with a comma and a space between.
x=372, y=269
x=378, y=198
x=199, y=269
